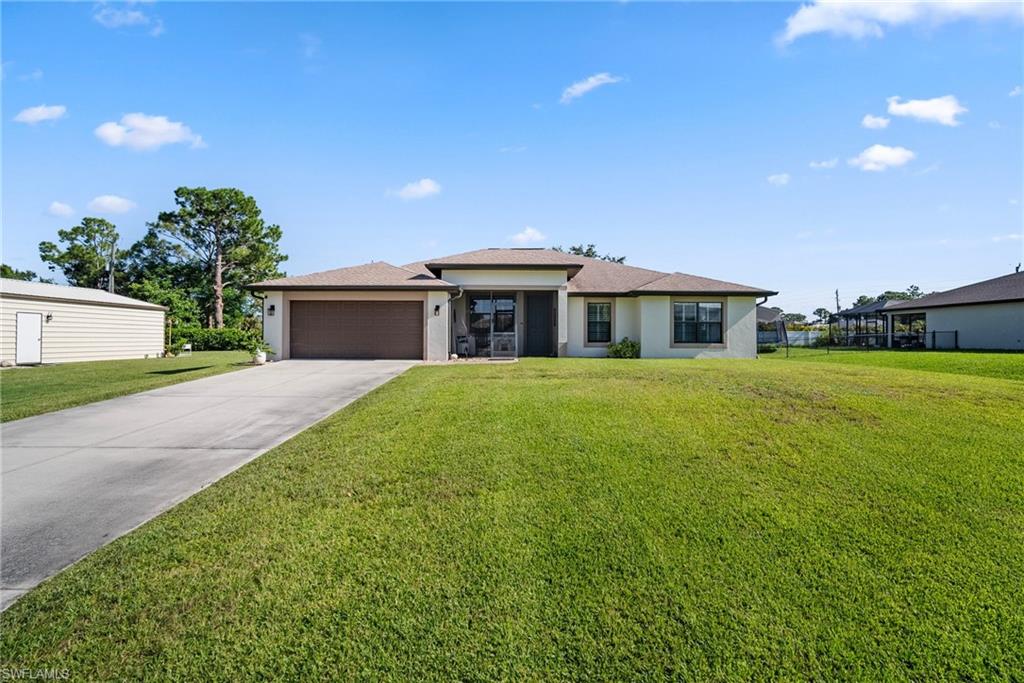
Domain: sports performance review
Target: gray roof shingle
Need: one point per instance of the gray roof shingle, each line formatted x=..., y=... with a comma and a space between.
x=999, y=289
x=587, y=276
x=376, y=275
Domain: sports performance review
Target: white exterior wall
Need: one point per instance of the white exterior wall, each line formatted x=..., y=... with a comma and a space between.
x=84, y=331
x=739, y=330
x=982, y=326
x=505, y=278
x=625, y=323
x=435, y=328
x=273, y=324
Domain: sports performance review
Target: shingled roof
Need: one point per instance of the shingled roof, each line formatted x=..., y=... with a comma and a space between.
x=375, y=275
x=587, y=276
x=997, y=290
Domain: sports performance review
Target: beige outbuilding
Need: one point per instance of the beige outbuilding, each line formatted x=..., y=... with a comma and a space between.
x=44, y=323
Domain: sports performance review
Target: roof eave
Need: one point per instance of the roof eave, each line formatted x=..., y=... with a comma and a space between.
x=352, y=288
x=436, y=268
x=913, y=306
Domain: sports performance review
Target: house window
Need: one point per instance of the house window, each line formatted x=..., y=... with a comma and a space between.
x=696, y=322
x=599, y=322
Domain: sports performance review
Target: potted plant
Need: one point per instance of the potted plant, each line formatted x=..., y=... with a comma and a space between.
x=259, y=351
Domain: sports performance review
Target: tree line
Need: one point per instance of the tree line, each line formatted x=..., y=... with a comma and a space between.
x=194, y=259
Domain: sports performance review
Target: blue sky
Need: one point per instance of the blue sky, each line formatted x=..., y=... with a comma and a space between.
x=402, y=132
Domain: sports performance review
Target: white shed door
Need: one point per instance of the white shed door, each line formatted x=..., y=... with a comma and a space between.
x=30, y=339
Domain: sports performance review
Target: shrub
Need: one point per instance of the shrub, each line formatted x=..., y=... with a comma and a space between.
x=627, y=348
x=212, y=339
x=767, y=348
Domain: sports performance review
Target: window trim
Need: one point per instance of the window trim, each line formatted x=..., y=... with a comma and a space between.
x=724, y=344
x=586, y=327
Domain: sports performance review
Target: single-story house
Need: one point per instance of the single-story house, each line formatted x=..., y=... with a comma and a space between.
x=45, y=323
x=983, y=315
x=496, y=303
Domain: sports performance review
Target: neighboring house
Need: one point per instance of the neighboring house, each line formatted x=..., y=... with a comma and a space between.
x=44, y=323
x=865, y=325
x=984, y=315
x=770, y=327
x=496, y=303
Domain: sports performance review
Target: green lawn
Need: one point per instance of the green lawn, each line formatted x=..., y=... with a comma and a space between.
x=33, y=390
x=582, y=519
x=977, y=363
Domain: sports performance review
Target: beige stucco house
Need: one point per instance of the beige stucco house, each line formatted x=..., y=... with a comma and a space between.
x=982, y=315
x=498, y=303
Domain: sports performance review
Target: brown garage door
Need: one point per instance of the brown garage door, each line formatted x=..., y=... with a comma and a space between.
x=357, y=329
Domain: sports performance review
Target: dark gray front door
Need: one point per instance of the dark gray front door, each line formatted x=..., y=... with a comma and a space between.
x=539, y=324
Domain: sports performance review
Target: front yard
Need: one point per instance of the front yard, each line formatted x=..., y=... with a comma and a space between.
x=30, y=391
x=567, y=519
x=1005, y=365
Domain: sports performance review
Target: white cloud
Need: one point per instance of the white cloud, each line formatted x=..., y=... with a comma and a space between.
x=111, y=203
x=141, y=132
x=528, y=235
x=34, y=115
x=1012, y=237
x=868, y=19
x=59, y=209
x=1014, y=202
x=33, y=75
x=581, y=88
x=119, y=17
x=778, y=179
x=827, y=163
x=1016, y=91
x=419, y=189
x=512, y=149
x=881, y=157
x=995, y=125
x=942, y=110
x=127, y=15
x=871, y=121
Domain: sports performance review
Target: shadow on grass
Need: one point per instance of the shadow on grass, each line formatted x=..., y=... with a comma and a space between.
x=178, y=371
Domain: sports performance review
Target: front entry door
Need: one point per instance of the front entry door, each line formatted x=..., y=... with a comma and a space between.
x=28, y=348
x=539, y=324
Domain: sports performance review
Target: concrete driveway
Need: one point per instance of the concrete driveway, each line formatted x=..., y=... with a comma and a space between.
x=77, y=479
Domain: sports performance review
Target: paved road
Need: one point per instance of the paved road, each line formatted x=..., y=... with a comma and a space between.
x=77, y=479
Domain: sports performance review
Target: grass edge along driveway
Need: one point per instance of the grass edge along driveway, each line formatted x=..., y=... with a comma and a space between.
x=27, y=391
x=571, y=518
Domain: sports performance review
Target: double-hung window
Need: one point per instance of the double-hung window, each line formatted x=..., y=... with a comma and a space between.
x=599, y=322
x=696, y=322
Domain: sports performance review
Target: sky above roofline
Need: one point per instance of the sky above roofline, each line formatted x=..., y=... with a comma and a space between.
x=803, y=147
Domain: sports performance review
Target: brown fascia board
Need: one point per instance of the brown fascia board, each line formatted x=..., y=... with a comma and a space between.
x=571, y=268
x=990, y=302
x=675, y=292
x=349, y=288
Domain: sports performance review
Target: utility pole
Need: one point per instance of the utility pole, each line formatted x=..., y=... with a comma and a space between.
x=110, y=268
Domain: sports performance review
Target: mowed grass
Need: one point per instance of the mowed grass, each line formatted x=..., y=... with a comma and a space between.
x=27, y=391
x=582, y=519
x=1007, y=365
